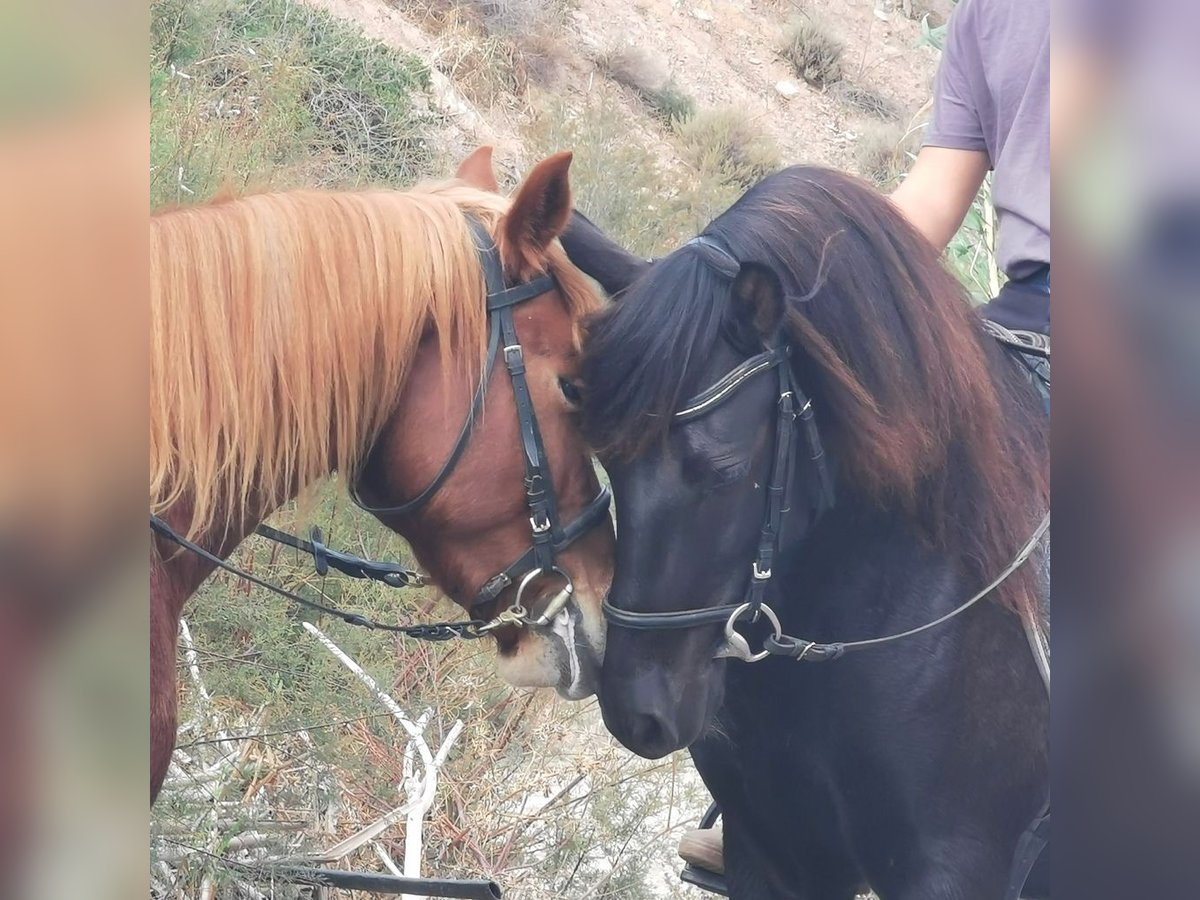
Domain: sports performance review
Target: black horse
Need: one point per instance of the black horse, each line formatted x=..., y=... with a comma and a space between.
x=912, y=766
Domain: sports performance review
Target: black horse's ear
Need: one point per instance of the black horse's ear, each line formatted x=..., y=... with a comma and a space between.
x=758, y=297
x=600, y=257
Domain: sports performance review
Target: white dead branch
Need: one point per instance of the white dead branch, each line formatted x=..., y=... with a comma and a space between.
x=420, y=788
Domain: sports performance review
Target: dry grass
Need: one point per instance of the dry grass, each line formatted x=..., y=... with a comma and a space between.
x=493, y=50
x=624, y=186
x=884, y=151
x=727, y=143
x=519, y=17
x=269, y=93
x=644, y=73
x=867, y=100
x=311, y=756
x=487, y=69
x=814, y=50
x=637, y=68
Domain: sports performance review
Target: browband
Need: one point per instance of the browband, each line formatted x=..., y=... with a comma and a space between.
x=712, y=396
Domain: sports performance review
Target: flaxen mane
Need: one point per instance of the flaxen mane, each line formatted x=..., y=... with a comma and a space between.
x=923, y=412
x=283, y=326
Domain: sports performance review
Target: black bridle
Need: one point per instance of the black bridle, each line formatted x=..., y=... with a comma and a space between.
x=549, y=537
x=793, y=406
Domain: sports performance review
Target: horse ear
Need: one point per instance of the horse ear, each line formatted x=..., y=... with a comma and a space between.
x=758, y=297
x=600, y=257
x=540, y=210
x=476, y=170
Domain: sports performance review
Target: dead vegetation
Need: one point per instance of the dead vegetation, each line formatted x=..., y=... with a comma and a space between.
x=494, y=50
x=644, y=73
x=728, y=143
x=814, y=50
x=285, y=755
x=624, y=186
x=884, y=151
x=867, y=100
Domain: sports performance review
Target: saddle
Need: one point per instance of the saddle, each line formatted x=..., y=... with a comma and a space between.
x=1032, y=350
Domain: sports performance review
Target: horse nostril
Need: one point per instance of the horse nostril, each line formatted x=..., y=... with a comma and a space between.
x=651, y=736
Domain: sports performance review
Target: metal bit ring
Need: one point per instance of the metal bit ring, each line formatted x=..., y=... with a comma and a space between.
x=736, y=646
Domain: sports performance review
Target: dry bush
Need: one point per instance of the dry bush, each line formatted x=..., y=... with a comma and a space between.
x=490, y=56
x=285, y=752
x=517, y=17
x=635, y=67
x=644, y=73
x=622, y=185
x=487, y=69
x=814, y=50
x=884, y=151
x=544, y=58
x=867, y=100
x=727, y=143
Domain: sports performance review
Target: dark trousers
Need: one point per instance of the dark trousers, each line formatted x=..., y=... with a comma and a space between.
x=1023, y=304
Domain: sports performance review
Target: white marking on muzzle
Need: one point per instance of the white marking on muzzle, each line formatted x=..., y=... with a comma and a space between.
x=564, y=627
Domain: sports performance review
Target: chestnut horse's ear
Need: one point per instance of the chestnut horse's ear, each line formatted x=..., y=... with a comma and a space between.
x=758, y=297
x=540, y=210
x=476, y=170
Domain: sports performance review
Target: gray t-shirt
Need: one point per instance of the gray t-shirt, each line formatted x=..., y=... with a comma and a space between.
x=993, y=94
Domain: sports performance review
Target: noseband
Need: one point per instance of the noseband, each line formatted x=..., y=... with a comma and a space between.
x=548, y=537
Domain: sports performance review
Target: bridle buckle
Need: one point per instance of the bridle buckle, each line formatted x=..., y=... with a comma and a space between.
x=759, y=573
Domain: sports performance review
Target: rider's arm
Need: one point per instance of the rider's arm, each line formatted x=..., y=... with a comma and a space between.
x=938, y=190
x=947, y=174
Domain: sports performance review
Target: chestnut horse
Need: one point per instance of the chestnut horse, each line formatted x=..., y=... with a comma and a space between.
x=301, y=333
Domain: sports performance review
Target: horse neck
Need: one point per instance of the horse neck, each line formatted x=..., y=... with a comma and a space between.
x=176, y=572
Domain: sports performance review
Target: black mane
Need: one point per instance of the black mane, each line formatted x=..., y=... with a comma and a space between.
x=653, y=344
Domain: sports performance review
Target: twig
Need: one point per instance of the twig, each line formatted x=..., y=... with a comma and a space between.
x=193, y=661
x=386, y=859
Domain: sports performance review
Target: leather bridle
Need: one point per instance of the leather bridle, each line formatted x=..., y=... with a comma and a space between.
x=792, y=406
x=548, y=536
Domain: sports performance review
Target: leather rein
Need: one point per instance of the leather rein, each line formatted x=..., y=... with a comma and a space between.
x=548, y=536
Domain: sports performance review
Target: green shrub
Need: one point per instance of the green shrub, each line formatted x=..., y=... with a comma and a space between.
x=275, y=93
x=671, y=104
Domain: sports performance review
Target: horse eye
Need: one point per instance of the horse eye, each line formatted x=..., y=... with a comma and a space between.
x=570, y=391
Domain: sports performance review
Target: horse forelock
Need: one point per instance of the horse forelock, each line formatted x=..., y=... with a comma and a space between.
x=642, y=354
x=283, y=327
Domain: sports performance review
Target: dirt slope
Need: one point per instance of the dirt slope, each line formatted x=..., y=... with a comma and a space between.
x=720, y=52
